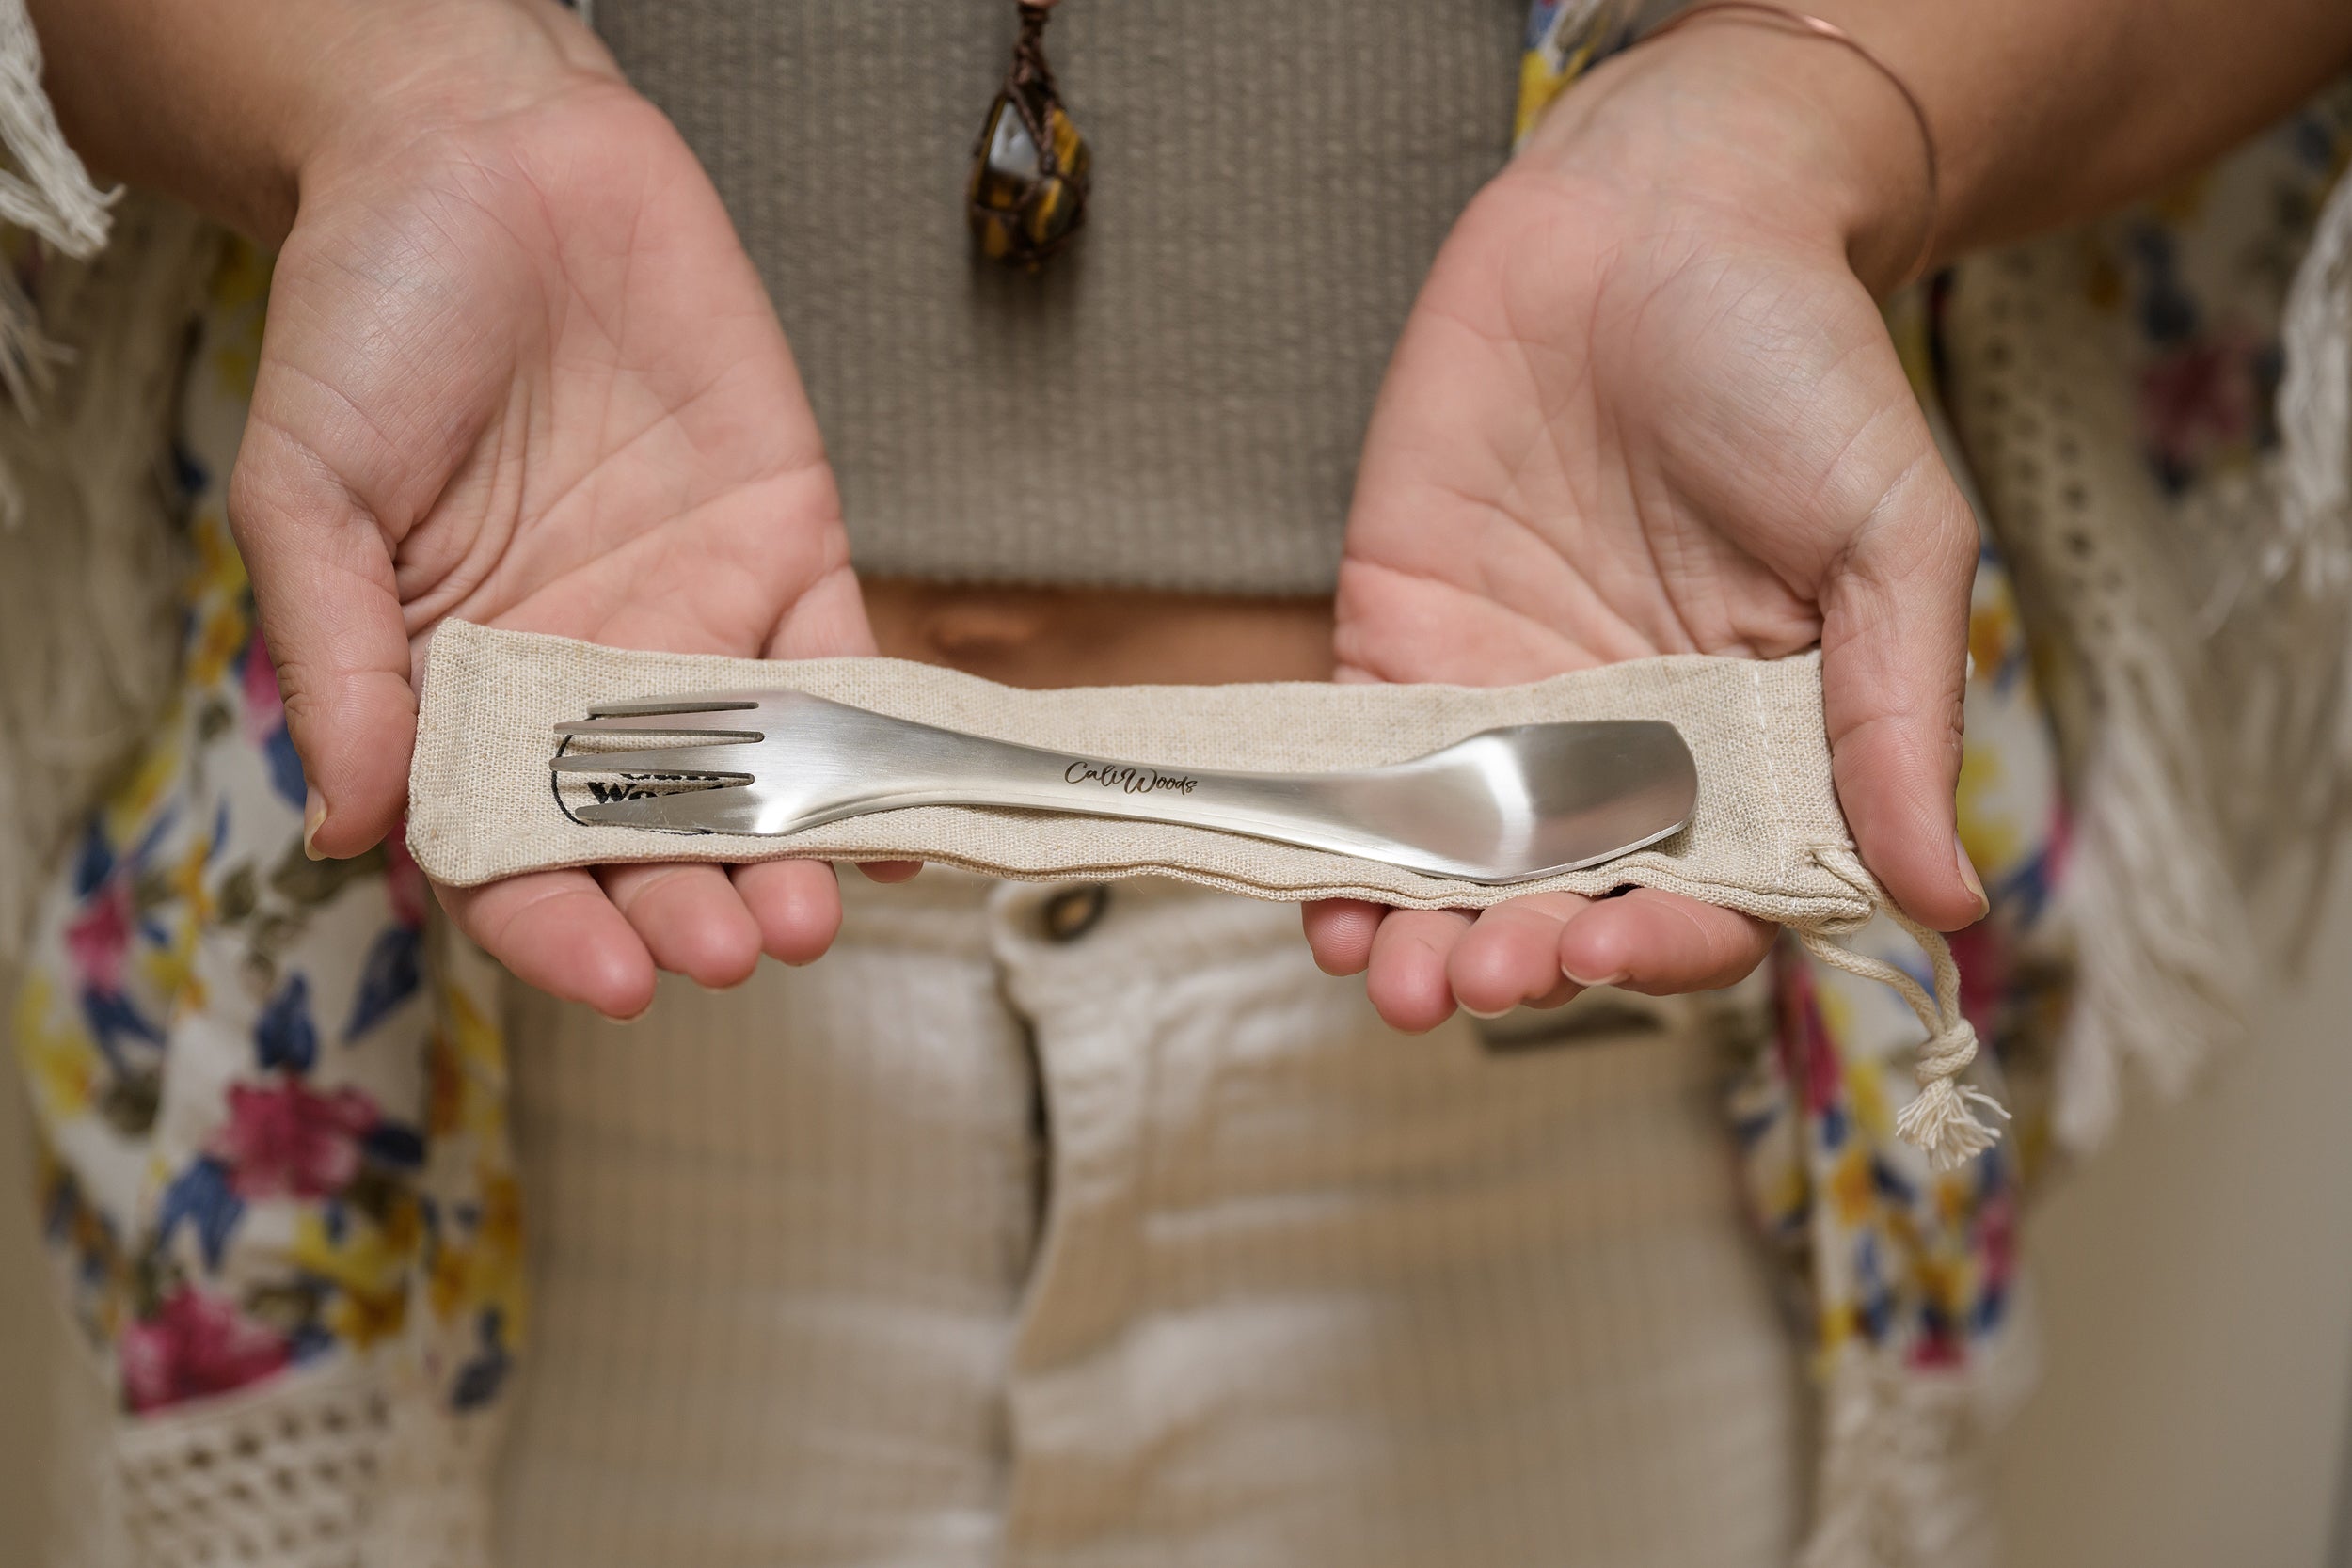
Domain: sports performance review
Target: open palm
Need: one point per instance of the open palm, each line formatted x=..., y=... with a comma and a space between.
x=1620, y=423
x=517, y=369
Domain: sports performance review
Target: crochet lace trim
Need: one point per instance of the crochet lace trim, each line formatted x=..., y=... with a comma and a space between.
x=330, y=1469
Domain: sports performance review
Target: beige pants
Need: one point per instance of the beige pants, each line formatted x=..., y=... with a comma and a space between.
x=1054, y=1226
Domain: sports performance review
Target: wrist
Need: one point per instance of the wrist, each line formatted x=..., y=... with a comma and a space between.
x=372, y=90
x=1781, y=130
x=227, y=105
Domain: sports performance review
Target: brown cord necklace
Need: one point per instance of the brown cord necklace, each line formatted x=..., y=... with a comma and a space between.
x=1027, y=193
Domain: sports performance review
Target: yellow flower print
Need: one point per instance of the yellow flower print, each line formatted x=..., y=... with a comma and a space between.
x=1788, y=1191
x=133, y=803
x=1866, y=1092
x=371, y=1255
x=59, y=1057
x=1850, y=1189
x=240, y=289
x=468, y=1066
x=368, y=1265
x=1993, y=633
x=219, y=569
x=1945, y=1279
x=360, y=1320
x=1838, y=1324
x=220, y=637
x=169, y=970
x=485, y=1269
x=1988, y=831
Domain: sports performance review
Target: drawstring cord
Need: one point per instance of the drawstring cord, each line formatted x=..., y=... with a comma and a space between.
x=1941, y=1118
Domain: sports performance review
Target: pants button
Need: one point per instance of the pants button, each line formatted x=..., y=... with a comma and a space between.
x=1076, y=911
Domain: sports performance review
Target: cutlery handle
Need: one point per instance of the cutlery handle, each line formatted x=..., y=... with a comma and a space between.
x=1367, y=812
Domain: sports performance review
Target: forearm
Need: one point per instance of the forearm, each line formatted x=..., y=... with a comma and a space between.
x=2049, y=110
x=2043, y=111
x=223, y=103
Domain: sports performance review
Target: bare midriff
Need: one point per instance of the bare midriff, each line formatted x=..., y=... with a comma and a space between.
x=1046, y=637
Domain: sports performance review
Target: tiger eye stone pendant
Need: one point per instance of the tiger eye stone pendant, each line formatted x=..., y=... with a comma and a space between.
x=1027, y=194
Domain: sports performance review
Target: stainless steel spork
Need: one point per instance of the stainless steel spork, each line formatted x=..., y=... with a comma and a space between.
x=1503, y=806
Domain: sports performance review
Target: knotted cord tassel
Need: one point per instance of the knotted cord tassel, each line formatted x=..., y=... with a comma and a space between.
x=1938, y=1118
x=1941, y=1120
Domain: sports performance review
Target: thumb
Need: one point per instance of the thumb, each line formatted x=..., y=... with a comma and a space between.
x=1894, y=666
x=331, y=615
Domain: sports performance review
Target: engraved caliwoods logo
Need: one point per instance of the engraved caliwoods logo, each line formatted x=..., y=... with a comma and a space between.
x=1126, y=780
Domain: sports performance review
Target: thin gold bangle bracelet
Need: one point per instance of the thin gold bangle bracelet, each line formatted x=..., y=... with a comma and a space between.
x=1761, y=12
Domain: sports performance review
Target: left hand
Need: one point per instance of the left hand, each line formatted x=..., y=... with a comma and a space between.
x=517, y=369
x=1644, y=404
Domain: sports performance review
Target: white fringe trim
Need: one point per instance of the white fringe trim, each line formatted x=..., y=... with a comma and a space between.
x=1905, y=1479
x=2314, y=488
x=51, y=195
x=2167, y=959
x=88, y=635
x=48, y=194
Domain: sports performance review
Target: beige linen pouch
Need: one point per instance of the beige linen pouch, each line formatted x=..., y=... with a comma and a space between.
x=1766, y=836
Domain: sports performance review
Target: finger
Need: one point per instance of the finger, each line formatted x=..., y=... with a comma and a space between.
x=826, y=619
x=1894, y=662
x=1661, y=943
x=1560, y=995
x=558, y=931
x=330, y=617
x=1511, y=955
x=1340, y=932
x=690, y=918
x=797, y=905
x=1405, y=978
x=887, y=872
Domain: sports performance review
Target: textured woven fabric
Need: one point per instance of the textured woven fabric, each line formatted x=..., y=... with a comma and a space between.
x=1145, y=1247
x=354, y=1464
x=1177, y=402
x=1761, y=839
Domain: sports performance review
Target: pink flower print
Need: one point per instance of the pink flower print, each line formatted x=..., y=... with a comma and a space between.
x=197, y=1343
x=1983, y=952
x=1809, y=1056
x=286, y=1141
x=100, y=936
x=2197, y=404
x=265, y=709
x=1996, y=1238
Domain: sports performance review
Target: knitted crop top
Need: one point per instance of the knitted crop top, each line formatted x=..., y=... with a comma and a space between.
x=1178, y=401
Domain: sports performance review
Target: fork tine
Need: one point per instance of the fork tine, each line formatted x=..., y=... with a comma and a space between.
x=661, y=720
x=709, y=702
x=729, y=757
x=731, y=809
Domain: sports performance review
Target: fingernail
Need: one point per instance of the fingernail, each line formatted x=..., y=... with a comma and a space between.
x=1615, y=977
x=1968, y=874
x=1475, y=1012
x=313, y=819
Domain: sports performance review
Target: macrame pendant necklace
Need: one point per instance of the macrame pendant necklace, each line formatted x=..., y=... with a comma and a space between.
x=1027, y=194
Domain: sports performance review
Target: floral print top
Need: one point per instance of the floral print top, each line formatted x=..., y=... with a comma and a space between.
x=272, y=1133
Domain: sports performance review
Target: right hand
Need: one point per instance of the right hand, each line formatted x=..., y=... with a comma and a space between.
x=518, y=369
x=1646, y=404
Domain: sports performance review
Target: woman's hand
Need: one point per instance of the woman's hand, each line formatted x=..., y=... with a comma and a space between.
x=517, y=369
x=1644, y=404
